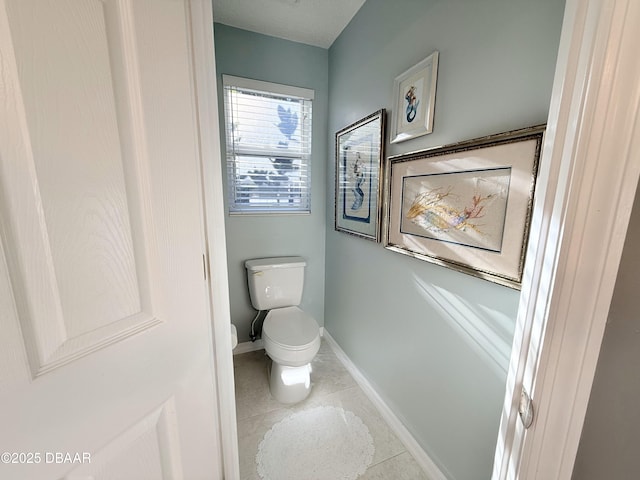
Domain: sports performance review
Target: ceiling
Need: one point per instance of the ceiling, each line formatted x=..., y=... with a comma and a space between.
x=314, y=22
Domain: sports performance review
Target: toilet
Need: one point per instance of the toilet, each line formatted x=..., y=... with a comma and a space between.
x=291, y=336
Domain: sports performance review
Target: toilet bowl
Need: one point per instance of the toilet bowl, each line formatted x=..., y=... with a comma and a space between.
x=291, y=339
x=291, y=336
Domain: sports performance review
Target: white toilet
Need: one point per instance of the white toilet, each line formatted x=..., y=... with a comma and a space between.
x=291, y=336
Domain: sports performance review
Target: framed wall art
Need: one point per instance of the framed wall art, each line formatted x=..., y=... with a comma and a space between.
x=466, y=206
x=414, y=97
x=359, y=154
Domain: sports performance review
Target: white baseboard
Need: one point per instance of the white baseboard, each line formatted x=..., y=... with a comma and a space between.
x=246, y=347
x=410, y=443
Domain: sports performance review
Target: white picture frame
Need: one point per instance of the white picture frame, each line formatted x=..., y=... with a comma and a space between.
x=414, y=96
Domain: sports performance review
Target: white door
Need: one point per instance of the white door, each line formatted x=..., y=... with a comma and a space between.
x=588, y=179
x=106, y=364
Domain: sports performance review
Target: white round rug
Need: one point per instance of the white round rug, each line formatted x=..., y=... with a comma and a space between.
x=322, y=443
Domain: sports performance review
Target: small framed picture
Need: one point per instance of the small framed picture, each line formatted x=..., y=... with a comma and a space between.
x=414, y=96
x=466, y=206
x=359, y=154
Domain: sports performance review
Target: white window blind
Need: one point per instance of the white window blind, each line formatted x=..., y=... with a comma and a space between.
x=268, y=133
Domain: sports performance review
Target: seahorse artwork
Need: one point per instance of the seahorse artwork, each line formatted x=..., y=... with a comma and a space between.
x=412, y=103
x=358, y=174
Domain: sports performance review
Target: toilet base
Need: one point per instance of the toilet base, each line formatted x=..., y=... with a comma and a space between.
x=290, y=384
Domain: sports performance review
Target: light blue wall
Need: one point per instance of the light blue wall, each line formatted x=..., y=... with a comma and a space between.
x=251, y=55
x=435, y=343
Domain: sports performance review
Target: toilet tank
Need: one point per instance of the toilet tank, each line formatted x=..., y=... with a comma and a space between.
x=275, y=282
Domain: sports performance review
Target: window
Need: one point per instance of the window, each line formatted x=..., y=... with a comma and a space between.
x=268, y=131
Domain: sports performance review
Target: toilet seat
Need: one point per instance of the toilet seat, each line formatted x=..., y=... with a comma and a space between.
x=291, y=336
x=290, y=328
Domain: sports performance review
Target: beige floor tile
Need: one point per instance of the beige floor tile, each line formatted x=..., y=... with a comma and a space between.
x=332, y=386
x=400, y=467
x=252, y=387
x=328, y=374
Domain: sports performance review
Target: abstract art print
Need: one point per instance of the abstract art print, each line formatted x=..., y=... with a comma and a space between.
x=359, y=153
x=414, y=95
x=462, y=208
x=466, y=206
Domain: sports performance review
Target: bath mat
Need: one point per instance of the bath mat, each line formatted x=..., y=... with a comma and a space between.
x=322, y=443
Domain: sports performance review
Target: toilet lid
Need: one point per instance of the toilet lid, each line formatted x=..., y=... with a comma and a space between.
x=290, y=327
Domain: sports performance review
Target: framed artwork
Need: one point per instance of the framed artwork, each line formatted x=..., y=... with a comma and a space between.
x=466, y=206
x=359, y=154
x=414, y=97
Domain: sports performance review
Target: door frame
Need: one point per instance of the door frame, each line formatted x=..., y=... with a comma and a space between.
x=581, y=214
x=215, y=261
x=588, y=178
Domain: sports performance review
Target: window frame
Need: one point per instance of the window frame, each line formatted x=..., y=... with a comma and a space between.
x=232, y=151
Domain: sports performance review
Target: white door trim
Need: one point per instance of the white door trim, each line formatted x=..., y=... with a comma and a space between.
x=216, y=261
x=588, y=178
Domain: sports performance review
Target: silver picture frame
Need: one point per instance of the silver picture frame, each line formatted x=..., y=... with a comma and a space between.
x=466, y=206
x=359, y=179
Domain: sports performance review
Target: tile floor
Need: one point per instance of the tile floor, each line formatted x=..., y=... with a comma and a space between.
x=257, y=412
